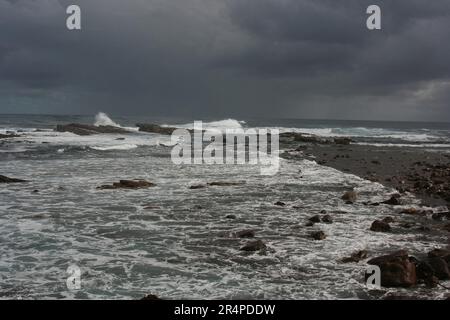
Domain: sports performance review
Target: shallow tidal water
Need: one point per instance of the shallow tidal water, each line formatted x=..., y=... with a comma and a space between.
x=176, y=242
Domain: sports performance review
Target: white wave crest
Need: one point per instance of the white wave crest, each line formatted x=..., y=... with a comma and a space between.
x=213, y=125
x=115, y=147
x=102, y=119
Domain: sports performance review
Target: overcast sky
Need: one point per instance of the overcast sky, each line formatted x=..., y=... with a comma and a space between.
x=227, y=58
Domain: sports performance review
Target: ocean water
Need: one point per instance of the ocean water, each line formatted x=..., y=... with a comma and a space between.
x=177, y=242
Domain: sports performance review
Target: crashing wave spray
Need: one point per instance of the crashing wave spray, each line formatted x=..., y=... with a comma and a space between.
x=102, y=119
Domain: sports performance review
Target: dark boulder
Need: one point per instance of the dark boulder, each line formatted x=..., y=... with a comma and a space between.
x=225, y=184
x=425, y=273
x=149, y=297
x=327, y=219
x=244, y=234
x=254, y=245
x=127, y=184
x=154, y=128
x=355, y=256
x=440, y=253
x=87, y=129
x=350, y=196
x=393, y=200
x=197, y=186
x=318, y=235
x=314, y=219
x=4, y=179
x=440, y=268
x=280, y=204
x=380, y=226
x=342, y=141
x=396, y=269
x=6, y=136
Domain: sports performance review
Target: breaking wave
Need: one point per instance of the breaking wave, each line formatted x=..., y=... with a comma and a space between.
x=102, y=119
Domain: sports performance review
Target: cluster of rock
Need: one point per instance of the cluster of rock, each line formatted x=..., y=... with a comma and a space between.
x=308, y=138
x=127, y=184
x=399, y=269
x=87, y=129
x=10, y=135
x=433, y=180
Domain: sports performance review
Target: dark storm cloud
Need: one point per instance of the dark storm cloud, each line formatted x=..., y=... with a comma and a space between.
x=302, y=58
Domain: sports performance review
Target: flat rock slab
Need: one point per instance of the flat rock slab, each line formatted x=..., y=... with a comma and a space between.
x=127, y=184
x=4, y=179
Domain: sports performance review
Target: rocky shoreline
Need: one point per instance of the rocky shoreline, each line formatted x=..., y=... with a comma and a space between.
x=423, y=173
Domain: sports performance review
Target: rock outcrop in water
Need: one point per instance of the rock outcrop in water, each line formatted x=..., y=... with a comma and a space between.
x=355, y=257
x=127, y=184
x=312, y=139
x=397, y=269
x=4, y=179
x=254, y=245
x=154, y=128
x=380, y=226
x=318, y=235
x=225, y=183
x=350, y=196
x=150, y=297
x=6, y=136
x=87, y=129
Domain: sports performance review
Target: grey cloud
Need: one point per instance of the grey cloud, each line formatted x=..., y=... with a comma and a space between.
x=291, y=58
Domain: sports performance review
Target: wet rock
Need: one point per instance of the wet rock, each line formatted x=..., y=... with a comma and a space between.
x=309, y=224
x=380, y=226
x=87, y=129
x=197, y=186
x=440, y=253
x=439, y=267
x=396, y=269
x=342, y=141
x=355, y=257
x=151, y=207
x=151, y=297
x=411, y=211
x=255, y=245
x=314, y=219
x=6, y=136
x=224, y=184
x=446, y=227
x=4, y=179
x=244, y=234
x=393, y=200
x=407, y=225
x=318, y=235
x=327, y=219
x=350, y=196
x=230, y=216
x=279, y=203
x=323, y=212
x=439, y=216
x=425, y=273
x=127, y=184
x=154, y=128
